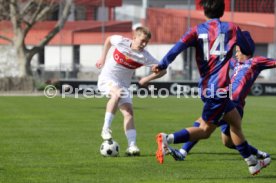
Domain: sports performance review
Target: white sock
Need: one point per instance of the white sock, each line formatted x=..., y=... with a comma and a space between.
x=108, y=120
x=131, y=137
x=182, y=151
x=261, y=152
x=170, y=138
x=251, y=160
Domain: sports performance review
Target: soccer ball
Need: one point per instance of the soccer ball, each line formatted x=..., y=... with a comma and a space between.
x=109, y=148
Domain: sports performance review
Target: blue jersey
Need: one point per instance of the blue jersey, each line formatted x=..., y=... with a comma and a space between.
x=214, y=42
x=244, y=75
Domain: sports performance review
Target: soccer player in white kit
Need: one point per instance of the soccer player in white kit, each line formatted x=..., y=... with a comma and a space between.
x=115, y=79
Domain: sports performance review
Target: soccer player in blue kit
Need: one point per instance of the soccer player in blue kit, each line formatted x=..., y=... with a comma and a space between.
x=246, y=69
x=214, y=42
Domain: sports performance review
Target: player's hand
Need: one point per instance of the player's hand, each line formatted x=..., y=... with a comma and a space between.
x=155, y=68
x=99, y=63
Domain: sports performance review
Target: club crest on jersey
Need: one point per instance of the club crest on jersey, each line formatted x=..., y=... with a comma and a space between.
x=125, y=60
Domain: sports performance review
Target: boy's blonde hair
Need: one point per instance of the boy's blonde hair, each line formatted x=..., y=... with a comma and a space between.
x=143, y=30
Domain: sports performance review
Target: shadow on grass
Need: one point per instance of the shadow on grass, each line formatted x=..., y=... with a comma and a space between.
x=197, y=153
x=141, y=156
x=215, y=153
x=273, y=156
x=248, y=178
x=263, y=176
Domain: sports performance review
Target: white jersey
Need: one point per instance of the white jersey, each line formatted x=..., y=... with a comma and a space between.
x=121, y=66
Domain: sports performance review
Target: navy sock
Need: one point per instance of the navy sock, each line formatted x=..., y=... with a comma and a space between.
x=189, y=145
x=196, y=124
x=181, y=136
x=253, y=150
x=244, y=149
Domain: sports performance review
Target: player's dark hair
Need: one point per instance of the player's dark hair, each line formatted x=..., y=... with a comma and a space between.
x=144, y=30
x=213, y=8
x=250, y=42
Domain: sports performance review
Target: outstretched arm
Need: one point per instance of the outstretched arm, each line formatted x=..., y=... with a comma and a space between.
x=171, y=55
x=101, y=60
x=264, y=62
x=189, y=39
x=145, y=80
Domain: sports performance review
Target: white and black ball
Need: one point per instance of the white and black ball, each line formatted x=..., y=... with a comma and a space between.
x=110, y=148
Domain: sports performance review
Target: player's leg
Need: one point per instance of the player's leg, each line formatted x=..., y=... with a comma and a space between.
x=227, y=141
x=237, y=136
x=225, y=127
x=234, y=120
x=126, y=109
x=111, y=89
x=188, y=134
x=206, y=128
x=225, y=135
x=192, y=133
x=180, y=155
x=186, y=148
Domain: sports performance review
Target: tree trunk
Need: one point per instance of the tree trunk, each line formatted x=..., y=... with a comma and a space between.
x=22, y=24
x=22, y=61
x=21, y=55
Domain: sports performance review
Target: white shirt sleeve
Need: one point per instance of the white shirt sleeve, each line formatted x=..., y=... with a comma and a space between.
x=116, y=39
x=150, y=60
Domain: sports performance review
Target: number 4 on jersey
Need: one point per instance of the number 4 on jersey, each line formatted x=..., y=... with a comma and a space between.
x=217, y=48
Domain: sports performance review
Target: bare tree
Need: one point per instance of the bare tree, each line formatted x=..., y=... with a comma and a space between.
x=23, y=15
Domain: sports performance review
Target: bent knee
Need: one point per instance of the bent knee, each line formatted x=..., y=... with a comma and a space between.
x=128, y=114
x=230, y=145
x=207, y=132
x=126, y=110
x=207, y=135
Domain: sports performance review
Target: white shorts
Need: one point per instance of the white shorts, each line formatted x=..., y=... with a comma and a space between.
x=105, y=85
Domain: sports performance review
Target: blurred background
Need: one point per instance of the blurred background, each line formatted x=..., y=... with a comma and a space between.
x=44, y=41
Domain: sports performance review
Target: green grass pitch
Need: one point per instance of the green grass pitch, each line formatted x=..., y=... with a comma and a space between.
x=57, y=141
